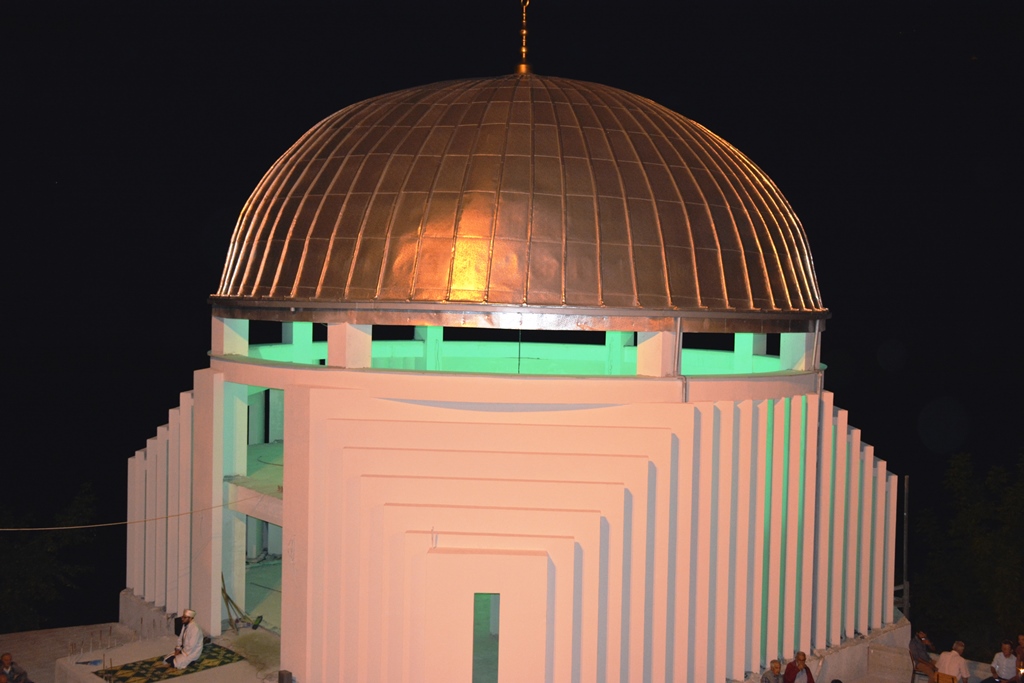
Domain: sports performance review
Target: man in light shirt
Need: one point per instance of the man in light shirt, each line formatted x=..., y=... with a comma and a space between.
x=954, y=664
x=1004, y=665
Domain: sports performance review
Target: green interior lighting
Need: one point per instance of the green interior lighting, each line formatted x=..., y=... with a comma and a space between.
x=485, y=637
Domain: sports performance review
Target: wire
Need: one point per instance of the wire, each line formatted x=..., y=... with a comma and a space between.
x=125, y=523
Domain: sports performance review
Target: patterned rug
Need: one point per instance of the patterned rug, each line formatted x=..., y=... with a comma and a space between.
x=154, y=669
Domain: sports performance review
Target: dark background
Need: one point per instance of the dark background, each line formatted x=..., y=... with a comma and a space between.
x=134, y=132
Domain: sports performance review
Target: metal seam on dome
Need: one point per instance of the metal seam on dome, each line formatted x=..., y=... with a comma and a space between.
x=351, y=140
x=673, y=140
x=704, y=205
x=657, y=212
x=805, y=268
x=295, y=177
x=593, y=182
x=243, y=229
x=342, y=212
x=240, y=239
x=282, y=174
x=719, y=229
x=342, y=149
x=530, y=270
x=786, y=265
x=497, y=194
x=634, y=265
x=334, y=135
x=460, y=204
x=712, y=147
x=361, y=237
x=768, y=194
x=752, y=206
x=663, y=130
x=603, y=133
x=453, y=91
x=306, y=197
x=765, y=197
x=389, y=231
x=548, y=88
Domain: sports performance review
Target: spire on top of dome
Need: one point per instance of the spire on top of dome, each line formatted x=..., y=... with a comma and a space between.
x=523, y=67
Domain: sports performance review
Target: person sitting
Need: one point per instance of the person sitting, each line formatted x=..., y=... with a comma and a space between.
x=797, y=671
x=1004, y=665
x=190, y=642
x=919, y=646
x=774, y=672
x=953, y=663
x=10, y=669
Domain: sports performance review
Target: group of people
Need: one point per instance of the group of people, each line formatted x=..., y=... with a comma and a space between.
x=10, y=672
x=190, y=642
x=796, y=671
x=1005, y=668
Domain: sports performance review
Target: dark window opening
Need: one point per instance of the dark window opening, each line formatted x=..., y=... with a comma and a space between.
x=264, y=332
x=708, y=341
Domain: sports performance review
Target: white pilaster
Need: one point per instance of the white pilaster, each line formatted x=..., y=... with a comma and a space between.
x=300, y=522
x=796, y=351
x=878, y=544
x=432, y=338
x=723, y=649
x=151, y=514
x=173, y=497
x=208, y=499
x=794, y=489
x=184, y=522
x=349, y=346
x=160, y=469
x=229, y=336
x=852, y=533
x=740, y=657
x=746, y=345
x=889, y=584
x=808, y=540
x=837, y=587
x=775, y=550
x=657, y=354
x=704, y=669
x=136, y=560
x=823, y=528
x=867, y=486
x=760, y=516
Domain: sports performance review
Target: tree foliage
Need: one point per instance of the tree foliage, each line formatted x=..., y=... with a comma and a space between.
x=971, y=586
x=41, y=569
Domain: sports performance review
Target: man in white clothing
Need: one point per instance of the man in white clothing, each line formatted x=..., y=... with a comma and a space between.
x=190, y=642
x=954, y=664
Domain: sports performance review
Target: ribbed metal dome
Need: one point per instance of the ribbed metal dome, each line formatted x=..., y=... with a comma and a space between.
x=519, y=201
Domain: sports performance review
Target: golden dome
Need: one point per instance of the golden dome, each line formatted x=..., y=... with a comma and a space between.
x=519, y=201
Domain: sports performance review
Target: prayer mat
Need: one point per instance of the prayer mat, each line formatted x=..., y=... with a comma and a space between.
x=154, y=669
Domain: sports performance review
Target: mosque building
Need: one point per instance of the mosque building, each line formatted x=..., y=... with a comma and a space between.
x=528, y=340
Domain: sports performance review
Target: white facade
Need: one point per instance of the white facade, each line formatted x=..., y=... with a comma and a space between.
x=637, y=528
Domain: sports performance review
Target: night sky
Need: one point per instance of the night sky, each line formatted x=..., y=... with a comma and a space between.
x=136, y=131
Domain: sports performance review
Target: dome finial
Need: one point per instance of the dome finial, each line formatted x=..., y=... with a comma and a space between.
x=523, y=67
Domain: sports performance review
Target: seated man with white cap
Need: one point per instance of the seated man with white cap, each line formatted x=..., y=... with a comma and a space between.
x=190, y=642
